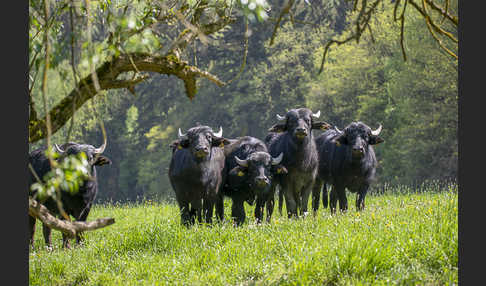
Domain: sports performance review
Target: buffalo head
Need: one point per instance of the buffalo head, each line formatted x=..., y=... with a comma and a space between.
x=299, y=123
x=93, y=154
x=357, y=136
x=200, y=139
x=258, y=169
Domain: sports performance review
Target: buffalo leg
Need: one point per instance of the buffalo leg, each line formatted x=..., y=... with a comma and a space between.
x=185, y=215
x=46, y=231
x=333, y=200
x=65, y=240
x=82, y=217
x=208, y=207
x=324, y=196
x=290, y=204
x=196, y=211
x=280, y=197
x=270, y=205
x=343, y=201
x=238, y=212
x=260, y=204
x=220, y=208
x=304, y=201
x=316, y=194
x=32, y=230
x=360, y=200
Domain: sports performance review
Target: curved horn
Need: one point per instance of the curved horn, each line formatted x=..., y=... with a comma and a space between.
x=58, y=149
x=280, y=118
x=220, y=132
x=278, y=159
x=317, y=114
x=181, y=134
x=243, y=163
x=377, y=131
x=101, y=149
x=337, y=129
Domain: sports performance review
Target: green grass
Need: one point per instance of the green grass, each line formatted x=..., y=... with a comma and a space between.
x=404, y=239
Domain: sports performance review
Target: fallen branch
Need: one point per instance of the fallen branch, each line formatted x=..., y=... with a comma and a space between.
x=70, y=229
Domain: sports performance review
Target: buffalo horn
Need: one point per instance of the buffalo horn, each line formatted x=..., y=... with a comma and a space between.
x=377, y=131
x=243, y=163
x=317, y=114
x=181, y=134
x=337, y=129
x=277, y=160
x=220, y=132
x=280, y=118
x=101, y=149
x=58, y=149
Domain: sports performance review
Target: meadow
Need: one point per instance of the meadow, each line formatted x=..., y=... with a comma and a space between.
x=401, y=238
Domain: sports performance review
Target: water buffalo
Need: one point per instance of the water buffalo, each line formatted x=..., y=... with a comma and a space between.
x=196, y=173
x=78, y=204
x=346, y=160
x=250, y=170
x=294, y=139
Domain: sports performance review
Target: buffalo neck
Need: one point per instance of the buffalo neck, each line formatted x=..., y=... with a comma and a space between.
x=302, y=152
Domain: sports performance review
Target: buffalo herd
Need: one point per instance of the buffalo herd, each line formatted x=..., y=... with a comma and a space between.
x=206, y=167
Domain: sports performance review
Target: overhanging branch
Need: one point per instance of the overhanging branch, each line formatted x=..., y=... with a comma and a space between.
x=107, y=76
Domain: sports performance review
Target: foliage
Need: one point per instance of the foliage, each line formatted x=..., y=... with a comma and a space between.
x=398, y=239
x=66, y=175
x=415, y=101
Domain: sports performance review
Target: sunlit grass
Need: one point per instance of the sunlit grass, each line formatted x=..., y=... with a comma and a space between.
x=398, y=239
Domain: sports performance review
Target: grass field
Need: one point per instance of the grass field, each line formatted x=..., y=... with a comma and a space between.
x=399, y=239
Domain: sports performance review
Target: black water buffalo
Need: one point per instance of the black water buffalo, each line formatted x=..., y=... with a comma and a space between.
x=77, y=205
x=346, y=160
x=249, y=172
x=196, y=173
x=294, y=139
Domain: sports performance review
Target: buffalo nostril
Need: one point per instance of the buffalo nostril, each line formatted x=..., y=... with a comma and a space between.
x=262, y=181
x=205, y=149
x=358, y=150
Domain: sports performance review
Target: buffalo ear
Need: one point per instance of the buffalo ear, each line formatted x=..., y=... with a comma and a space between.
x=279, y=170
x=179, y=144
x=320, y=125
x=238, y=171
x=375, y=139
x=102, y=160
x=341, y=139
x=220, y=142
x=278, y=128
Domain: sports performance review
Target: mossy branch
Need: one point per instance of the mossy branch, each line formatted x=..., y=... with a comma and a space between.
x=107, y=75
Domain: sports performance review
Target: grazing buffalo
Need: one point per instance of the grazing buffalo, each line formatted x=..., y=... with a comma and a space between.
x=249, y=172
x=196, y=173
x=294, y=139
x=346, y=160
x=78, y=204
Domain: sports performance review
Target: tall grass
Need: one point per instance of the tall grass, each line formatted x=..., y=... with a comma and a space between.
x=400, y=238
